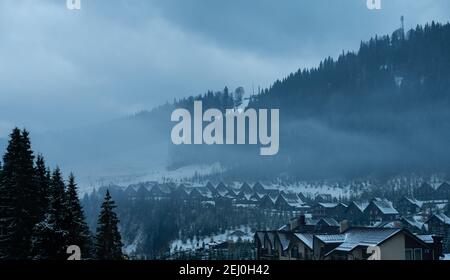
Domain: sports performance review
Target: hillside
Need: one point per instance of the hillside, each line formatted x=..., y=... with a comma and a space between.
x=377, y=112
x=380, y=111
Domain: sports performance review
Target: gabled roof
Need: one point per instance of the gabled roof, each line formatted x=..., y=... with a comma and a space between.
x=246, y=189
x=427, y=238
x=327, y=205
x=305, y=238
x=284, y=240
x=285, y=227
x=360, y=205
x=330, y=222
x=142, y=191
x=260, y=236
x=222, y=189
x=181, y=191
x=425, y=186
x=355, y=237
x=442, y=217
x=258, y=187
x=271, y=236
x=385, y=207
x=268, y=197
x=206, y=192
x=330, y=238
x=291, y=199
x=414, y=201
x=273, y=193
x=444, y=187
x=130, y=190
x=413, y=222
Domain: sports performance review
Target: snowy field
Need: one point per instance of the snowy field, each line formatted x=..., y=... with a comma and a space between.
x=243, y=233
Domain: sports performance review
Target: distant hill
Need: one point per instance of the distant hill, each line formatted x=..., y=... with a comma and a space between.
x=381, y=110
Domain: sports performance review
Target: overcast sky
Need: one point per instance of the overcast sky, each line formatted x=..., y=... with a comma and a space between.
x=62, y=68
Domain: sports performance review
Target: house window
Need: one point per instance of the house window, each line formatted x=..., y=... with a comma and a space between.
x=295, y=253
x=409, y=254
x=418, y=254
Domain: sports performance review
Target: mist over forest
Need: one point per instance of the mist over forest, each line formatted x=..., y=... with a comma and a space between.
x=379, y=111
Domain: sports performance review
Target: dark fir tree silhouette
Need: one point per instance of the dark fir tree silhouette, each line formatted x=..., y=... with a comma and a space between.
x=18, y=197
x=38, y=217
x=78, y=231
x=108, y=240
x=43, y=186
x=50, y=235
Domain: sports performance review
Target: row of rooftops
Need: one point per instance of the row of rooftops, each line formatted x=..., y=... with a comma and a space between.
x=258, y=195
x=257, y=192
x=346, y=241
x=245, y=192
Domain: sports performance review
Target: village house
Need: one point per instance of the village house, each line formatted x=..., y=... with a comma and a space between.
x=380, y=210
x=377, y=244
x=414, y=225
x=439, y=224
x=355, y=212
x=408, y=206
x=323, y=209
x=289, y=202
x=443, y=191
x=301, y=246
x=425, y=192
x=350, y=243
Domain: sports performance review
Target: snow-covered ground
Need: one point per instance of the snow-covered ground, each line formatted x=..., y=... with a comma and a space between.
x=243, y=233
x=131, y=248
x=313, y=189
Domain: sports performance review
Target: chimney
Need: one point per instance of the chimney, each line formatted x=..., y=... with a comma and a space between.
x=398, y=224
x=301, y=221
x=344, y=225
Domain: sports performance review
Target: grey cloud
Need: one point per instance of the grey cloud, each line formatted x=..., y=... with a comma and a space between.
x=61, y=69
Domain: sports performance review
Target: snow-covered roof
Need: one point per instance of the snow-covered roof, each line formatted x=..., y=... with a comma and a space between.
x=206, y=192
x=413, y=222
x=306, y=238
x=427, y=238
x=361, y=205
x=331, y=238
x=330, y=221
x=260, y=236
x=444, y=186
x=271, y=237
x=443, y=218
x=355, y=237
x=415, y=202
x=284, y=240
x=327, y=205
x=385, y=207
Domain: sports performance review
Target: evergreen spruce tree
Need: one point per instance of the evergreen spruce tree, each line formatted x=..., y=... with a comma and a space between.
x=78, y=231
x=108, y=240
x=43, y=186
x=50, y=235
x=18, y=197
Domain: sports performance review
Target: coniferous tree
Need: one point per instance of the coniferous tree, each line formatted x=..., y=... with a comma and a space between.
x=43, y=186
x=108, y=240
x=78, y=231
x=50, y=235
x=18, y=197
